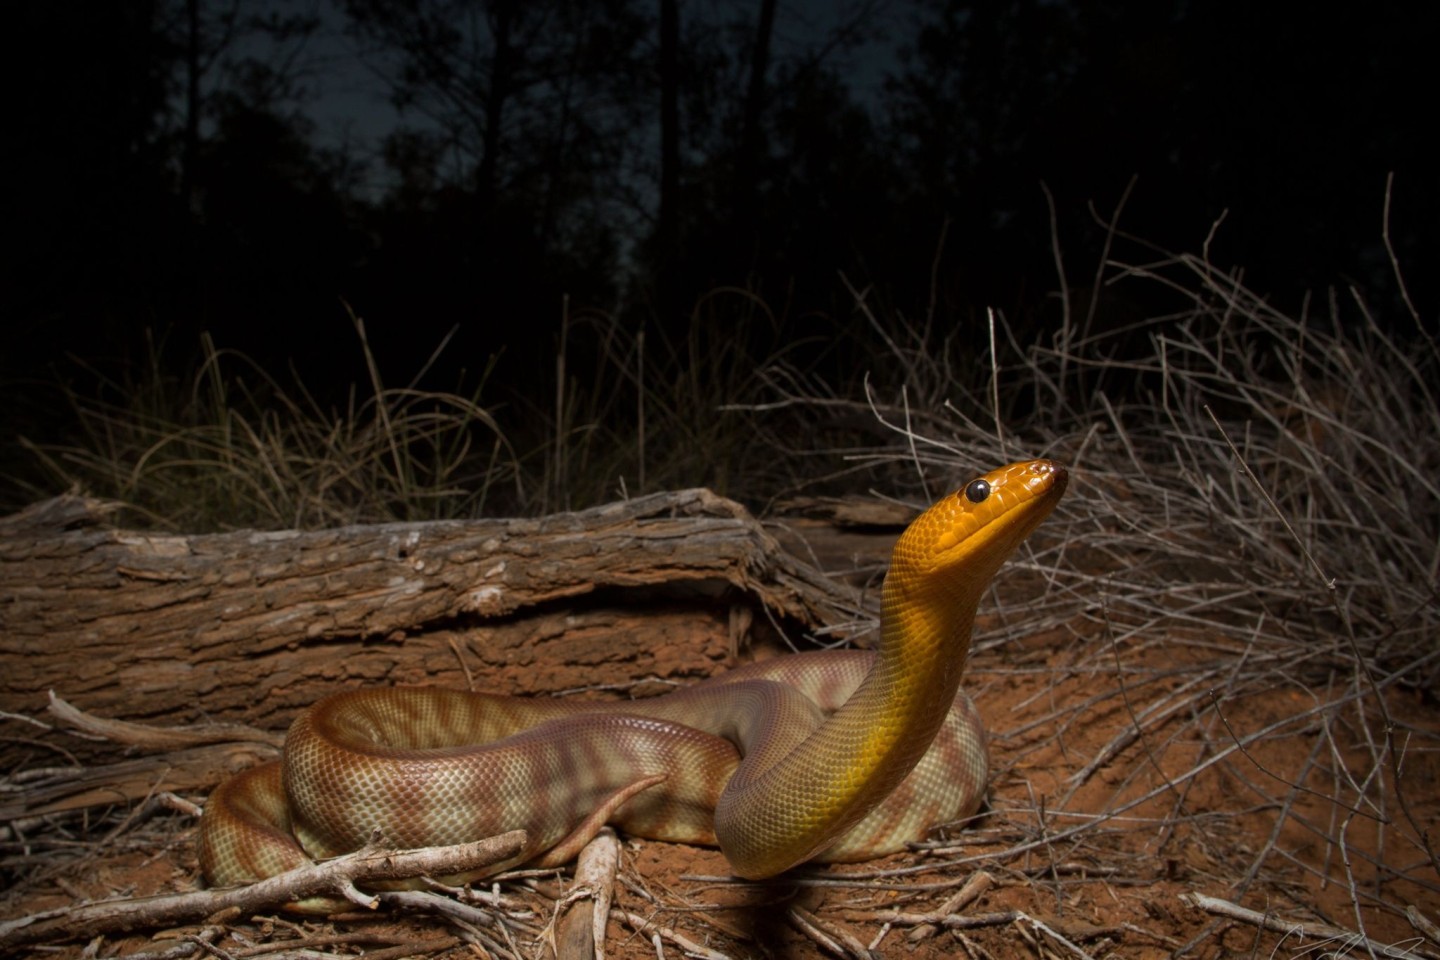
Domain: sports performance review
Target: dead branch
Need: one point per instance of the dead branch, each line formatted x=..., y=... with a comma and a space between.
x=584, y=912
x=979, y=882
x=331, y=878
x=1323, y=932
x=645, y=925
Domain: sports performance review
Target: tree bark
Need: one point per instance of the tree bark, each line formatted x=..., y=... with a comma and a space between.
x=254, y=626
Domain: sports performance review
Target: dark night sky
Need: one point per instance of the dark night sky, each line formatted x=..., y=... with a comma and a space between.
x=351, y=110
x=1289, y=117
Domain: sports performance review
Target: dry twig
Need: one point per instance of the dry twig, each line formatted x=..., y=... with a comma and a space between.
x=331, y=878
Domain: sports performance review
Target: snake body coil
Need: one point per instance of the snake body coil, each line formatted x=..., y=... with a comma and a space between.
x=834, y=755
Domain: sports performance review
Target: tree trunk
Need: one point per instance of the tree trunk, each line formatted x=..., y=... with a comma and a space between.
x=667, y=232
x=752, y=139
x=502, y=78
x=190, y=153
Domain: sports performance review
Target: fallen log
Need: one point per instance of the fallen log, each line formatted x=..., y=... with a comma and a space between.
x=253, y=626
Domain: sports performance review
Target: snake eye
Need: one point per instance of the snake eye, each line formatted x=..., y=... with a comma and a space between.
x=977, y=490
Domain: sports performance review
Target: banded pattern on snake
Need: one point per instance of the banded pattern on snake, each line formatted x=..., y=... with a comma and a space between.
x=832, y=755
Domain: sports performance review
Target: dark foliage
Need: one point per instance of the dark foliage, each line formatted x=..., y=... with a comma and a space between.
x=165, y=175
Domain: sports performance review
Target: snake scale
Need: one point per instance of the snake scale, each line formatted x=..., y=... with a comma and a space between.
x=830, y=755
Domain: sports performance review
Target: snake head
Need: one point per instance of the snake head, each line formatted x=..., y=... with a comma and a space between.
x=965, y=537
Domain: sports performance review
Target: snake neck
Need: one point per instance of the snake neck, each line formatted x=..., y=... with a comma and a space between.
x=895, y=713
x=784, y=805
x=924, y=647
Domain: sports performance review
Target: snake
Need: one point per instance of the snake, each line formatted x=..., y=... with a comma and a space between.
x=826, y=756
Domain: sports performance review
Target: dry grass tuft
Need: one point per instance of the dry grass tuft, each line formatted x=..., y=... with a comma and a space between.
x=1236, y=604
x=231, y=448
